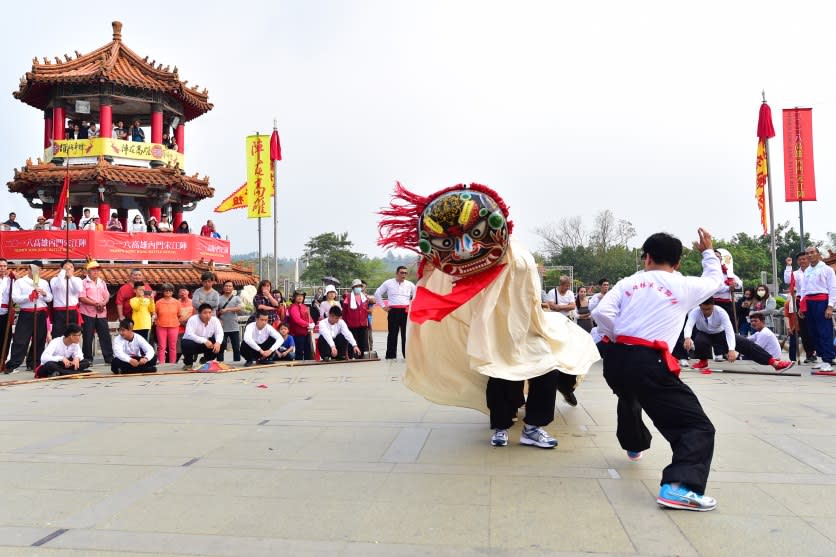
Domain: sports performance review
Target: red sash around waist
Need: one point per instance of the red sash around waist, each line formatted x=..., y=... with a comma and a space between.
x=33, y=310
x=658, y=345
x=811, y=298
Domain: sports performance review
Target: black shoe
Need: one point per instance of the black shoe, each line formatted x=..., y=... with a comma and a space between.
x=248, y=363
x=570, y=398
x=108, y=362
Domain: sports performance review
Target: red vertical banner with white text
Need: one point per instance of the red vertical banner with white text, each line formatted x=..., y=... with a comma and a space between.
x=799, y=173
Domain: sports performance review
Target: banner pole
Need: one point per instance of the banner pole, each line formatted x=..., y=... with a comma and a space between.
x=276, y=214
x=772, y=247
x=260, y=262
x=801, y=222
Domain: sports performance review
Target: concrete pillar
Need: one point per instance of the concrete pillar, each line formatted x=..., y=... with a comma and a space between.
x=58, y=123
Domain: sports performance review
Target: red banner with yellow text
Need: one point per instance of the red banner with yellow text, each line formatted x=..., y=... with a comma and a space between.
x=116, y=246
x=799, y=173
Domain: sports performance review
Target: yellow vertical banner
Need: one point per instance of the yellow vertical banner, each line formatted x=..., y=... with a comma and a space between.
x=259, y=176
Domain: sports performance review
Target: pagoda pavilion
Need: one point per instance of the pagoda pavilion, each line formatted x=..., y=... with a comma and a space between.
x=108, y=174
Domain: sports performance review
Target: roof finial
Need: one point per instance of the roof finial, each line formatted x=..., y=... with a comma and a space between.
x=117, y=30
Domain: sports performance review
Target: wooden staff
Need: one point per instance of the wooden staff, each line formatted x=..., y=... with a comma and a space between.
x=10, y=317
x=35, y=272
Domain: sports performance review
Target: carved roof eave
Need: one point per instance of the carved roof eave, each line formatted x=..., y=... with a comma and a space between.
x=112, y=63
x=33, y=175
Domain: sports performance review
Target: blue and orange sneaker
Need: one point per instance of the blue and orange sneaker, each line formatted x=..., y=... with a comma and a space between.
x=634, y=455
x=683, y=498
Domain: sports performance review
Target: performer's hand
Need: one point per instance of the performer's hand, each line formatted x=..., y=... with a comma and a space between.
x=788, y=261
x=311, y=326
x=801, y=314
x=208, y=344
x=688, y=344
x=33, y=296
x=334, y=352
x=828, y=312
x=357, y=350
x=731, y=356
x=216, y=347
x=133, y=362
x=66, y=362
x=76, y=363
x=265, y=353
x=143, y=361
x=704, y=242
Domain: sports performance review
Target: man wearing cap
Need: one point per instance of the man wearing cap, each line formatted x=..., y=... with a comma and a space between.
x=33, y=300
x=356, y=311
x=66, y=288
x=93, y=308
x=399, y=292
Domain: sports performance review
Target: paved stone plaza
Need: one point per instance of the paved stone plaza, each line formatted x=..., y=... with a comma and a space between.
x=344, y=460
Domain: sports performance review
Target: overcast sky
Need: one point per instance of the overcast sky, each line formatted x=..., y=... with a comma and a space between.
x=645, y=108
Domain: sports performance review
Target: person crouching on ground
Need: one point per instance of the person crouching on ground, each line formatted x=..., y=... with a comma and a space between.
x=131, y=352
x=261, y=341
x=63, y=355
x=204, y=334
x=334, y=336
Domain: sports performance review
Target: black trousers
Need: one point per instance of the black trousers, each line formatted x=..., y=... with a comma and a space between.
x=641, y=381
x=192, y=349
x=121, y=366
x=235, y=338
x=24, y=331
x=703, y=343
x=397, y=323
x=344, y=349
x=679, y=351
x=5, y=342
x=60, y=320
x=361, y=335
x=505, y=397
x=806, y=339
x=97, y=326
x=251, y=355
x=52, y=369
x=303, y=347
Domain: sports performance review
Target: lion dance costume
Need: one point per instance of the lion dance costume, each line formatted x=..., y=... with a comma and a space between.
x=476, y=327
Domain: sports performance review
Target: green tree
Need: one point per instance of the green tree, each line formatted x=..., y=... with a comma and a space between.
x=330, y=254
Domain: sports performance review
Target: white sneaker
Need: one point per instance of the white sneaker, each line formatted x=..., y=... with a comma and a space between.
x=500, y=438
x=825, y=367
x=818, y=365
x=683, y=363
x=537, y=437
x=719, y=358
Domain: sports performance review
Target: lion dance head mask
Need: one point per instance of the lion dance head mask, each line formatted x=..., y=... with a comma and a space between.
x=462, y=230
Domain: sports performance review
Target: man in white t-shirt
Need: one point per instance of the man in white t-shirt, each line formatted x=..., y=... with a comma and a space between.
x=562, y=298
x=763, y=336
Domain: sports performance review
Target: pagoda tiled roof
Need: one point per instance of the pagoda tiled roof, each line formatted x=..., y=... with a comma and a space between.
x=48, y=173
x=178, y=274
x=111, y=63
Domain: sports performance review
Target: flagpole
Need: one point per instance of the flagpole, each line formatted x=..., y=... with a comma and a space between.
x=275, y=211
x=771, y=212
x=67, y=245
x=801, y=222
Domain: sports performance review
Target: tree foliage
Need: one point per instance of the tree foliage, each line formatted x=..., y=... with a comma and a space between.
x=330, y=254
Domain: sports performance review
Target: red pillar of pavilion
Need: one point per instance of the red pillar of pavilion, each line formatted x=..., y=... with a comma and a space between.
x=180, y=137
x=156, y=123
x=155, y=212
x=47, y=128
x=123, y=218
x=105, y=120
x=176, y=216
x=58, y=123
